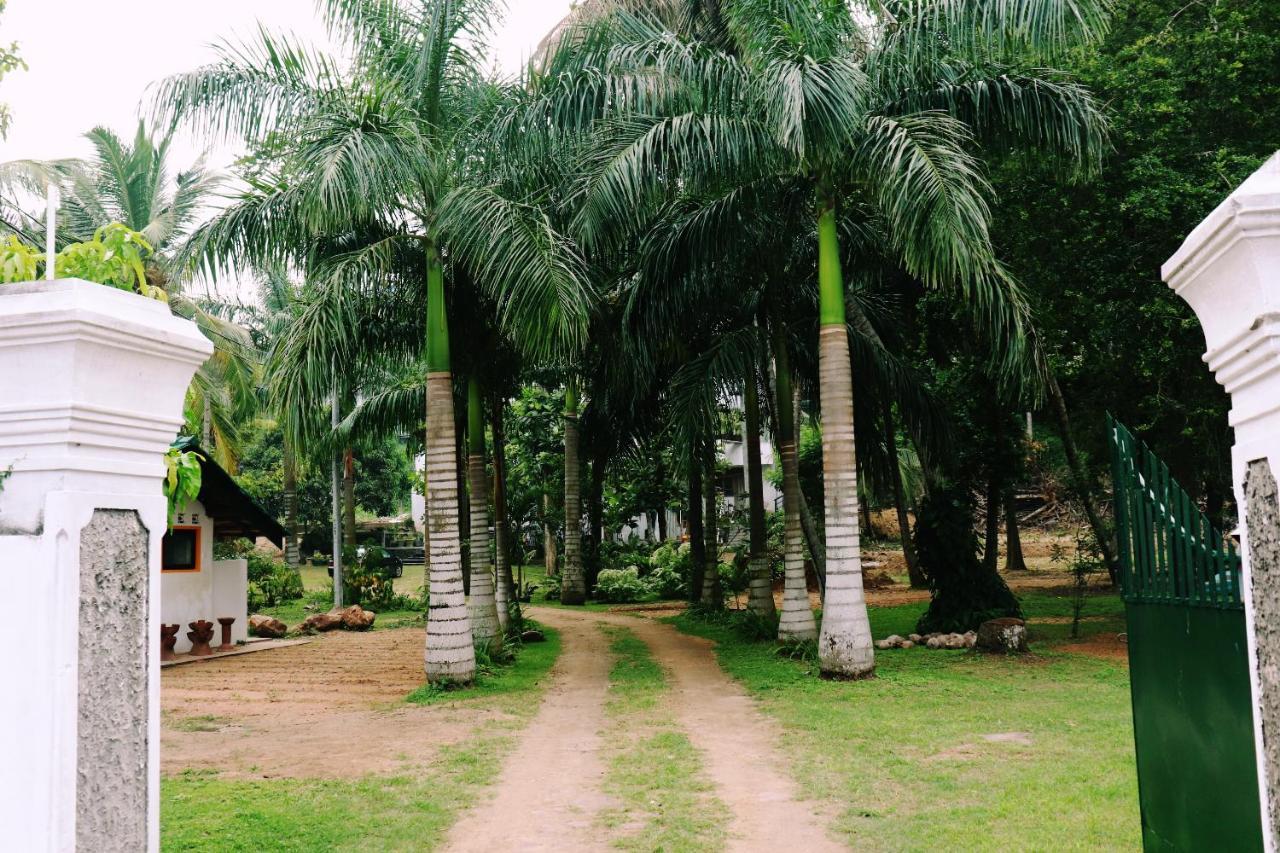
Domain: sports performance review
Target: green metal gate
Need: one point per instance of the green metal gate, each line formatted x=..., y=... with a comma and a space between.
x=1188, y=662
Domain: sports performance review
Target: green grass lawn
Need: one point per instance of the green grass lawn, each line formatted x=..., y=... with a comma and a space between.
x=200, y=811
x=956, y=751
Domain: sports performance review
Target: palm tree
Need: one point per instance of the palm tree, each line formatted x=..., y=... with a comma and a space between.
x=387, y=159
x=876, y=115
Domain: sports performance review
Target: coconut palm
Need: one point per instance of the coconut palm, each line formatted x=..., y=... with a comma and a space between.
x=876, y=113
x=385, y=158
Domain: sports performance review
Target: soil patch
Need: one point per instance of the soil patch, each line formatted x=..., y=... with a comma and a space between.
x=1107, y=646
x=550, y=792
x=737, y=743
x=329, y=709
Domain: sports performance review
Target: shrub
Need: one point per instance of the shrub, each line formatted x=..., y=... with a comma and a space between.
x=271, y=582
x=274, y=588
x=670, y=568
x=620, y=586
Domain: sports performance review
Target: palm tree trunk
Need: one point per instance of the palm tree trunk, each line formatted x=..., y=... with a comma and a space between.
x=482, y=606
x=916, y=576
x=796, y=621
x=573, y=587
x=450, y=650
x=760, y=590
x=550, y=557
x=844, y=646
x=697, y=537
x=290, y=504
x=808, y=527
x=711, y=595
x=348, y=497
x=504, y=592
x=1014, y=561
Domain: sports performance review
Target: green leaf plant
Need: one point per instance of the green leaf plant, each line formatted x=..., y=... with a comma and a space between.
x=182, y=478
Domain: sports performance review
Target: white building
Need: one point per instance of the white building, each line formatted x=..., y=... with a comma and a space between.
x=193, y=585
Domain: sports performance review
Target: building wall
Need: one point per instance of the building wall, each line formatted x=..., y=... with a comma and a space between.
x=217, y=589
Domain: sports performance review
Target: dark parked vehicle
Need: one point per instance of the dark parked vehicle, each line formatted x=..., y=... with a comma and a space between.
x=387, y=564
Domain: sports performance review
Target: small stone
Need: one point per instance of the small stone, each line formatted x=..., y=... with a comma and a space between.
x=934, y=642
x=907, y=644
x=882, y=644
x=1007, y=635
x=533, y=635
x=894, y=641
x=915, y=638
x=970, y=638
x=955, y=641
x=267, y=626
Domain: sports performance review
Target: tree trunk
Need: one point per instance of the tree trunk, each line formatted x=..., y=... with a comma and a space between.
x=760, y=591
x=573, y=587
x=812, y=541
x=482, y=605
x=595, y=514
x=697, y=537
x=844, y=646
x=291, y=556
x=796, y=621
x=662, y=524
x=504, y=590
x=450, y=651
x=711, y=595
x=995, y=513
x=917, y=578
x=348, y=497
x=550, y=556
x=1080, y=479
x=206, y=426
x=1014, y=561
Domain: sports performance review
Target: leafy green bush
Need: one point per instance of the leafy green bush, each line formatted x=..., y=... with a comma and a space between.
x=271, y=582
x=670, y=568
x=367, y=579
x=276, y=587
x=633, y=552
x=620, y=586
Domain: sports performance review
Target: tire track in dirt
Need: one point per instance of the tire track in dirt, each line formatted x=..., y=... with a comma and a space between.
x=550, y=792
x=735, y=738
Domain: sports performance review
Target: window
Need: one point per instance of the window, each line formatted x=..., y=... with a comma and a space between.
x=180, y=551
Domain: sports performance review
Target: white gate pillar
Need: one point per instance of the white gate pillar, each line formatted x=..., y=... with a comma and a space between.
x=1228, y=270
x=92, y=381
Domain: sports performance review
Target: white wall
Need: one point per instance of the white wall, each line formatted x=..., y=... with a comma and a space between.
x=218, y=589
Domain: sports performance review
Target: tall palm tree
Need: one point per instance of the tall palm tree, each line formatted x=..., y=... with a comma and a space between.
x=387, y=156
x=573, y=584
x=876, y=113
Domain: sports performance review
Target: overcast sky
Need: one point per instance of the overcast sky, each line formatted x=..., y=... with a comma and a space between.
x=91, y=61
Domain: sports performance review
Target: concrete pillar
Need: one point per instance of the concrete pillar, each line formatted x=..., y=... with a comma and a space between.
x=1228, y=270
x=92, y=381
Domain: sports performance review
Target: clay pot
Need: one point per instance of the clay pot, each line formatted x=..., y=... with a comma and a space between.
x=168, y=639
x=200, y=634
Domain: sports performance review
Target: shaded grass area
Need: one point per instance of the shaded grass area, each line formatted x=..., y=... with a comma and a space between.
x=200, y=811
x=654, y=772
x=954, y=750
x=527, y=672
